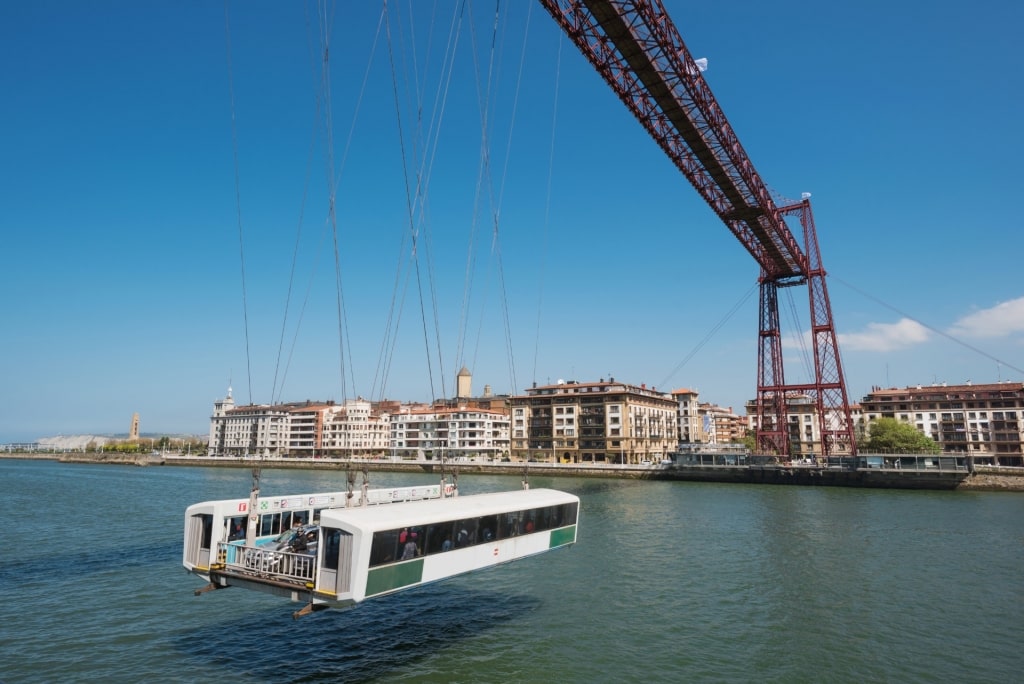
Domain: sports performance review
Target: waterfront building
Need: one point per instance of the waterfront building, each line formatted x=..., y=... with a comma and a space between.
x=460, y=428
x=216, y=443
x=603, y=422
x=688, y=420
x=804, y=423
x=304, y=429
x=720, y=425
x=355, y=428
x=262, y=430
x=984, y=421
x=298, y=430
x=457, y=432
x=255, y=430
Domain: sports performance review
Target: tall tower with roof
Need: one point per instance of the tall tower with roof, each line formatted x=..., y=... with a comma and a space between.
x=464, y=384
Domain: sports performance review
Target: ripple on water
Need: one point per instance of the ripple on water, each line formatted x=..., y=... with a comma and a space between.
x=669, y=582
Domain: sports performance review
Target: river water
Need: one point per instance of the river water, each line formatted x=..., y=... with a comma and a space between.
x=669, y=582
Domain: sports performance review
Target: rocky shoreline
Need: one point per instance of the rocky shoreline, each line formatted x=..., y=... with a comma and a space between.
x=985, y=480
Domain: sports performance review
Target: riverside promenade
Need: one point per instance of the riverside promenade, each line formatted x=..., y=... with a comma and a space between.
x=984, y=478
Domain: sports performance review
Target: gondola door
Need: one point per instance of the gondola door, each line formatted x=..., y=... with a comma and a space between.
x=336, y=561
x=197, y=549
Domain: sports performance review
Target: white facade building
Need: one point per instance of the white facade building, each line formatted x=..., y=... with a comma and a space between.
x=256, y=431
x=356, y=429
x=467, y=432
x=985, y=421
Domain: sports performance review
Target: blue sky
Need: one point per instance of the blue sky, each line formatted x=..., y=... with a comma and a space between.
x=121, y=287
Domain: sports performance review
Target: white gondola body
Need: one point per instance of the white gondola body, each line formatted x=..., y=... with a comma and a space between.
x=359, y=550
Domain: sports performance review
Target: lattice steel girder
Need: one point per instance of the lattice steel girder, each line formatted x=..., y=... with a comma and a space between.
x=635, y=47
x=772, y=421
x=833, y=405
x=638, y=51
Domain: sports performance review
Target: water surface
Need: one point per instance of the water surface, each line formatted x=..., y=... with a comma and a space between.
x=670, y=581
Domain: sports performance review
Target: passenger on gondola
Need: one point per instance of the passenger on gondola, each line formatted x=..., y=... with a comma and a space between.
x=410, y=550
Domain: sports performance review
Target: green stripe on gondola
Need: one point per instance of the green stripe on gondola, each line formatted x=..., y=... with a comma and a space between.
x=566, y=535
x=380, y=580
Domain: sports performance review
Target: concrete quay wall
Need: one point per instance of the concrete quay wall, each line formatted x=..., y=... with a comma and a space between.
x=983, y=479
x=782, y=475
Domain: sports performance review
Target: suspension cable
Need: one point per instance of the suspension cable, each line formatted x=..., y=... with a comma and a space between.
x=344, y=343
x=238, y=193
x=929, y=327
x=547, y=209
x=276, y=390
x=408, y=195
x=801, y=342
x=711, y=333
x=495, y=196
x=426, y=171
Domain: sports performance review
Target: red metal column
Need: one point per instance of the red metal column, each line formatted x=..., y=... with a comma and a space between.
x=833, y=407
x=772, y=432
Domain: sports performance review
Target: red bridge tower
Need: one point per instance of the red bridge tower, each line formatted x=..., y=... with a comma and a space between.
x=637, y=50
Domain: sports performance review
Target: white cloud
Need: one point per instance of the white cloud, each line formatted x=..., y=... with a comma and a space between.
x=883, y=337
x=1001, y=320
x=793, y=340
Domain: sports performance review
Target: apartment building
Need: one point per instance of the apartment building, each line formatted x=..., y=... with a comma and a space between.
x=465, y=426
x=356, y=428
x=298, y=430
x=804, y=424
x=258, y=431
x=455, y=431
x=720, y=425
x=985, y=421
x=603, y=422
x=688, y=420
